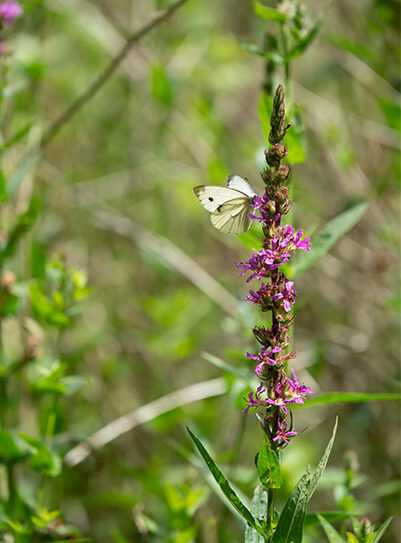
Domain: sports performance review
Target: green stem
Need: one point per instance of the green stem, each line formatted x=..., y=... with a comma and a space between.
x=11, y=487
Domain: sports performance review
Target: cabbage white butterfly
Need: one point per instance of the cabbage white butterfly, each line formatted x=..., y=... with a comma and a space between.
x=229, y=206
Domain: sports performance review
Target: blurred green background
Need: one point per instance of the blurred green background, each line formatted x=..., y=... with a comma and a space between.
x=116, y=189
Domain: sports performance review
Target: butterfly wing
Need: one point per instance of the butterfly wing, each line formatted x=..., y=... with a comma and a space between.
x=212, y=197
x=232, y=216
x=237, y=183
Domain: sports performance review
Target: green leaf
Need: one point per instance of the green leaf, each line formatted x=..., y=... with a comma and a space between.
x=15, y=138
x=315, y=478
x=259, y=511
x=312, y=519
x=380, y=532
x=23, y=223
x=295, y=145
x=161, y=87
x=290, y=525
x=219, y=363
x=225, y=485
x=268, y=466
x=265, y=108
x=251, y=240
x=269, y=14
x=330, y=234
x=304, y=42
x=3, y=188
x=350, y=397
x=42, y=459
x=255, y=50
x=332, y=534
x=9, y=450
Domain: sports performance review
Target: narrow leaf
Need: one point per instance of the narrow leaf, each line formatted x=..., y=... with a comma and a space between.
x=312, y=519
x=219, y=363
x=327, y=238
x=255, y=50
x=380, y=532
x=259, y=511
x=350, y=397
x=225, y=485
x=267, y=13
x=315, y=478
x=268, y=466
x=304, y=42
x=290, y=525
x=332, y=534
x=3, y=188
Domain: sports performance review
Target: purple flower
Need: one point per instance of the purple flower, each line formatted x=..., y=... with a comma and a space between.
x=288, y=295
x=262, y=262
x=283, y=434
x=10, y=10
x=254, y=401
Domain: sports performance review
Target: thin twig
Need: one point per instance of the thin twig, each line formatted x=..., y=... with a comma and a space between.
x=145, y=413
x=93, y=88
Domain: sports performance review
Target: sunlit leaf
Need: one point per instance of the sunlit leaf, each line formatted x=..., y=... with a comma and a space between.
x=225, y=485
x=267, y=13
x=290, y=525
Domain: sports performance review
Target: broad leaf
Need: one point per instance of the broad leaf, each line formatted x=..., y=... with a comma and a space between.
x=290, y=525
x=225, y=485
x=315, y=478
x=332, y=535
x=268, y=466
x=380, y=532
x=350, y=397
x=259, y=511
x=9, y=450
x=267, y=13
x=327, y=238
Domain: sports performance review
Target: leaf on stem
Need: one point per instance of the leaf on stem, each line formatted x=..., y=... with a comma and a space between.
x=268, y=466
x=290, y=525
x=269, y=14
x=225, y=485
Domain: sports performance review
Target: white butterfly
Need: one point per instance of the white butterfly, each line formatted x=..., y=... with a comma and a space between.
x=229, y=206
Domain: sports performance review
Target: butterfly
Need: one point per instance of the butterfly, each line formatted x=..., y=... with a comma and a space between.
x=229, y=206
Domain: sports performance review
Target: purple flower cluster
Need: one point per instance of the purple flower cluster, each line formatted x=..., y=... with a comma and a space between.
x=9, y=11
x=277, y=391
